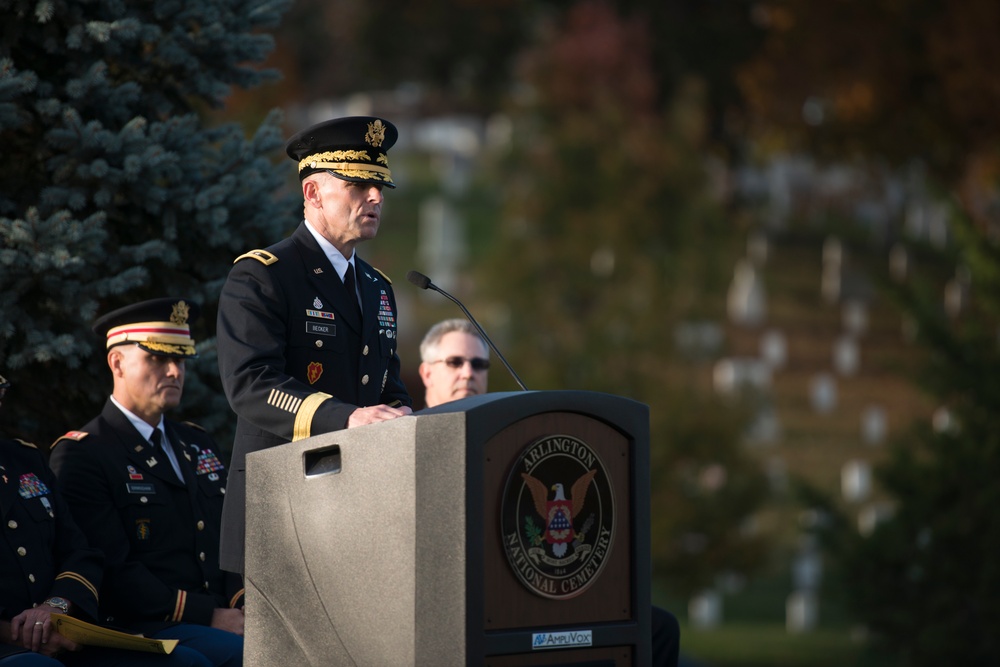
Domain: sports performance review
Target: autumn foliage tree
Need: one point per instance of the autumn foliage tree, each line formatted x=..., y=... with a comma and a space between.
x=608, y=238
x=904, y=84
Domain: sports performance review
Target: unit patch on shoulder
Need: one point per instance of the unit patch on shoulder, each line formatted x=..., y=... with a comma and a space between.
x=383, y=275
x=263, y=256
x=72, y=435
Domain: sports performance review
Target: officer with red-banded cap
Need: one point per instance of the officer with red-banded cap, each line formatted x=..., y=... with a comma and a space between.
x=148, y=491
x=307, y=329
x=47, y=568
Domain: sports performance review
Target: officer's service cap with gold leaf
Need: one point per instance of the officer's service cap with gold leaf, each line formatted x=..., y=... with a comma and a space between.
x=352, y=149
x=159, y=326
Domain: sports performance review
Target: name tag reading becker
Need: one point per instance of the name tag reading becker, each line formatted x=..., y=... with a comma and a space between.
x=321, y=328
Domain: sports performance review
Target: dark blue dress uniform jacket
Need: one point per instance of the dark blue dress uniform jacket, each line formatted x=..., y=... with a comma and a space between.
x=43, y=553
x=160, y=538
x=295, y=358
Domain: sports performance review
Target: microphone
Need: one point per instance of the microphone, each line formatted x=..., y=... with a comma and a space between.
x=423, y=282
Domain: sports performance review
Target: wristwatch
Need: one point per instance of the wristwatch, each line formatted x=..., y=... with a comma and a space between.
x=62, y=604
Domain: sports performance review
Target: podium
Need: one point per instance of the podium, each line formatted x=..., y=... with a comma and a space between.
x=504, y=529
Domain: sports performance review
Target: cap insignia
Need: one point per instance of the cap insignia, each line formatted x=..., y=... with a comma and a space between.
x=179, y=314
x=376, y=133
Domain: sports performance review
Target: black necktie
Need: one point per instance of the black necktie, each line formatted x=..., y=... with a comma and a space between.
x=350, y=283
x=157, y=439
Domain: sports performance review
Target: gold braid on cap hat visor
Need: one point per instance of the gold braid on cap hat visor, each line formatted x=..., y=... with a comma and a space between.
x=166, y=333
x=360, y=165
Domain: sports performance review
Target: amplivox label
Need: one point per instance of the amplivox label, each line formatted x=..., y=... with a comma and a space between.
x=544, y=640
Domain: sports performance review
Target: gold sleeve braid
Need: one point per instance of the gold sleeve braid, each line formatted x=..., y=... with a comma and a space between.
x=304, y=417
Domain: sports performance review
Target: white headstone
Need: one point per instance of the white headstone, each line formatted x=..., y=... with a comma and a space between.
x=734, y=374
x=746, y=302
x=915, y=222
x=705, y=610
x=854, y=316
x=856, y=480
x=937, y=226
x=955, y=297
x=833, y=252
x=764, y=429
x=944, y=421
x=776, y=471
x=871, y=516
x=874, y=425
x=773, y=349
x=807, y=570
x=441, y=241
x=823, y=393
x=801, y=611
x=846, y=356
x=831, y=282
x=699, y=339
x=899, y=263
x=757, y=248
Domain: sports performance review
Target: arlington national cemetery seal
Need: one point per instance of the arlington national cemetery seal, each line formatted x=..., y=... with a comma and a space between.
x=557, y=517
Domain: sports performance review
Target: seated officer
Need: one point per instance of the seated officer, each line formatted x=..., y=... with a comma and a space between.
x=46, y=567
x=147, y=491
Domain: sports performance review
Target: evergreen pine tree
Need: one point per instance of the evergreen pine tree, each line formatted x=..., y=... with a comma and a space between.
x=114, y=188
x=925, y=581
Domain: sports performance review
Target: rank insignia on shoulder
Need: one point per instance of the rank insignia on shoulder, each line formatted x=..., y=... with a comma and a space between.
x=72, y=435
x=263, y=256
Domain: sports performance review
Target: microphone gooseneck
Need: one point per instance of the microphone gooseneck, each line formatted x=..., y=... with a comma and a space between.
x=423, y=282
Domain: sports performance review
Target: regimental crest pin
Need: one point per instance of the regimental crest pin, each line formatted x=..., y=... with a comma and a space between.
x=317, y=304
x=557, y=517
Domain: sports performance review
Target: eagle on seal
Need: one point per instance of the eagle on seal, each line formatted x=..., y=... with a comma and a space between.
x=559, y=512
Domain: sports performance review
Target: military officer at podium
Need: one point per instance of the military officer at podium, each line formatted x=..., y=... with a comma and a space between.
x=454, y=365
x=307, y=329
x=147, y=491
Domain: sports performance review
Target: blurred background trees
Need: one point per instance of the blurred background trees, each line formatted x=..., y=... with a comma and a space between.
x=911, y=84
x=758, y=217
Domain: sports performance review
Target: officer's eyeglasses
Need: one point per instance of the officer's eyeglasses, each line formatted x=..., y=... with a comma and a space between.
x=477, y=363
x=5, y=385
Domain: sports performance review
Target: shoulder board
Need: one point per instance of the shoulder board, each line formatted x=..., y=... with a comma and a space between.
x=72, y=435
x=195, y=426
x=383, y=275
x=264, y=257
x=26, y=443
